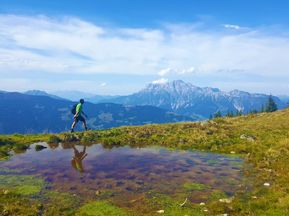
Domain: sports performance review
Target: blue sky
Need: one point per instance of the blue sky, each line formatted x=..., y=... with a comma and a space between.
x=119, y=46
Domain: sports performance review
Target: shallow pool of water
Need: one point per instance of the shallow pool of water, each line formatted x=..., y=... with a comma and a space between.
x=130, y=172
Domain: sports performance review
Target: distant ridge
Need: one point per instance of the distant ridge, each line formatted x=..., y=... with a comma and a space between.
x=24, y=113
x=43, y=93
x=186, y=99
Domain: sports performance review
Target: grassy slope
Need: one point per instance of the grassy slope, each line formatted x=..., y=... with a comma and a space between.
x=266, y=156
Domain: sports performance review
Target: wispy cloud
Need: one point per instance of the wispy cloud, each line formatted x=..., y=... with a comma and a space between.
x=71, y=45
x=160, y=81
x=103, y=84
x=176, y=71
x=230, y=26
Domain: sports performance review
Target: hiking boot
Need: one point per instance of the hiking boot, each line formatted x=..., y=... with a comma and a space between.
x=72, y=130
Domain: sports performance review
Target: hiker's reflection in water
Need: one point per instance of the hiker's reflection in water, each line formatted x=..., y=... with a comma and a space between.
x=77, y=159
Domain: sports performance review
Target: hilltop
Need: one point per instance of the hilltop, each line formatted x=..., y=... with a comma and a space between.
x=261, y=139
x=187, y=99
x=41, y=113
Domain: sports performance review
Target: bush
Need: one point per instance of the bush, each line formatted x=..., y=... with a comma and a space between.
x=54, y=139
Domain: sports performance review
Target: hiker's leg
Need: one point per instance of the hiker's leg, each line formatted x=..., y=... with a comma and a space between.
x=84, y=124
x=74, y=123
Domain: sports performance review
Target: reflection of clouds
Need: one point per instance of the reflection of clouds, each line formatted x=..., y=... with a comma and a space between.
x=135, y=151
x=126, y=169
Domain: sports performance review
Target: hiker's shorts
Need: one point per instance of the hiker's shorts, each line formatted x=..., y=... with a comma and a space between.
x=80, y=118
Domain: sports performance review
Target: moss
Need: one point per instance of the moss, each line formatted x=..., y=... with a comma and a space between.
x=101, y=208
x=27, y=190
x=195, y=186
x=18, y=192
x=39, y=147
x=70, y=137
x=216, y=195
x=266, y=159
x=21, y=184
x=54, y=139
x=172, y=205
x=4, y=155
x=58, y=203
x=89, y=136
x=12, y=204
x=19, y=148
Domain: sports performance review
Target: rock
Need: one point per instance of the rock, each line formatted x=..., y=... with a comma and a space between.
x=5, y=192
x=209, y=132
x=161, y=211
x=248, y=137
x=267, y=184
x=202, y=203
x=68, y=137
x=204, y=123
x=39, y=147
x=97, y=193
x=226, y=200
x=232, y=152
x=54, y=139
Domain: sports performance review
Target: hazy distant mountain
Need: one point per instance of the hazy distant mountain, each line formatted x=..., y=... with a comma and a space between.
x=23, y=113
x=73, y=95
x=284, y=98
x=100, y=98
x=42, y=93
x=187, y=99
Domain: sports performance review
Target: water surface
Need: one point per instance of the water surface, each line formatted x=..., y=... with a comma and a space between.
x=129, y=172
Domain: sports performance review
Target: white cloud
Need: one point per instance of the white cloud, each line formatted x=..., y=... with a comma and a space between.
x=160, y=81
x=230, y=26
x=176, y=71
x=35, y=44
x=166, y=71
x=81, y=85
x=103, y=84
x=188, y=71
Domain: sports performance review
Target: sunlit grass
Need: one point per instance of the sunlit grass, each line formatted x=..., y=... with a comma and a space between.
x=265, y=148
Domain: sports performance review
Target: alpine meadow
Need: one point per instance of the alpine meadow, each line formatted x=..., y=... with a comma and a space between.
x=144, y=108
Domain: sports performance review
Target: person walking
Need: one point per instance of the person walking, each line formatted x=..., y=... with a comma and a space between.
x=78, y=115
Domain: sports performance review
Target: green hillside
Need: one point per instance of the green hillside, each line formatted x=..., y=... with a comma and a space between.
x=261, y=139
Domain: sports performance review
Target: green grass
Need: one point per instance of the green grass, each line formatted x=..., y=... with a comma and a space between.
x=172, y=205
x=195, y=186
x=21, y=184
x=101, y=208
x=266, y=157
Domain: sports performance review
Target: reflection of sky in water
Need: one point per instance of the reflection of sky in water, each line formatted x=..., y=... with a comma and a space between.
x=129, y=170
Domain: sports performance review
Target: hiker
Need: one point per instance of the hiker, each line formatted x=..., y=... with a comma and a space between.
x=77, y=159
x=77, y=111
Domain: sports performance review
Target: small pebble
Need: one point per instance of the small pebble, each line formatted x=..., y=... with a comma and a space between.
x=202, y=203
x=254, y=197
x=161, y=211
x=6, y=192
x=226, y=200
x=205, y=210
x=267, y=184
x=232, y=152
